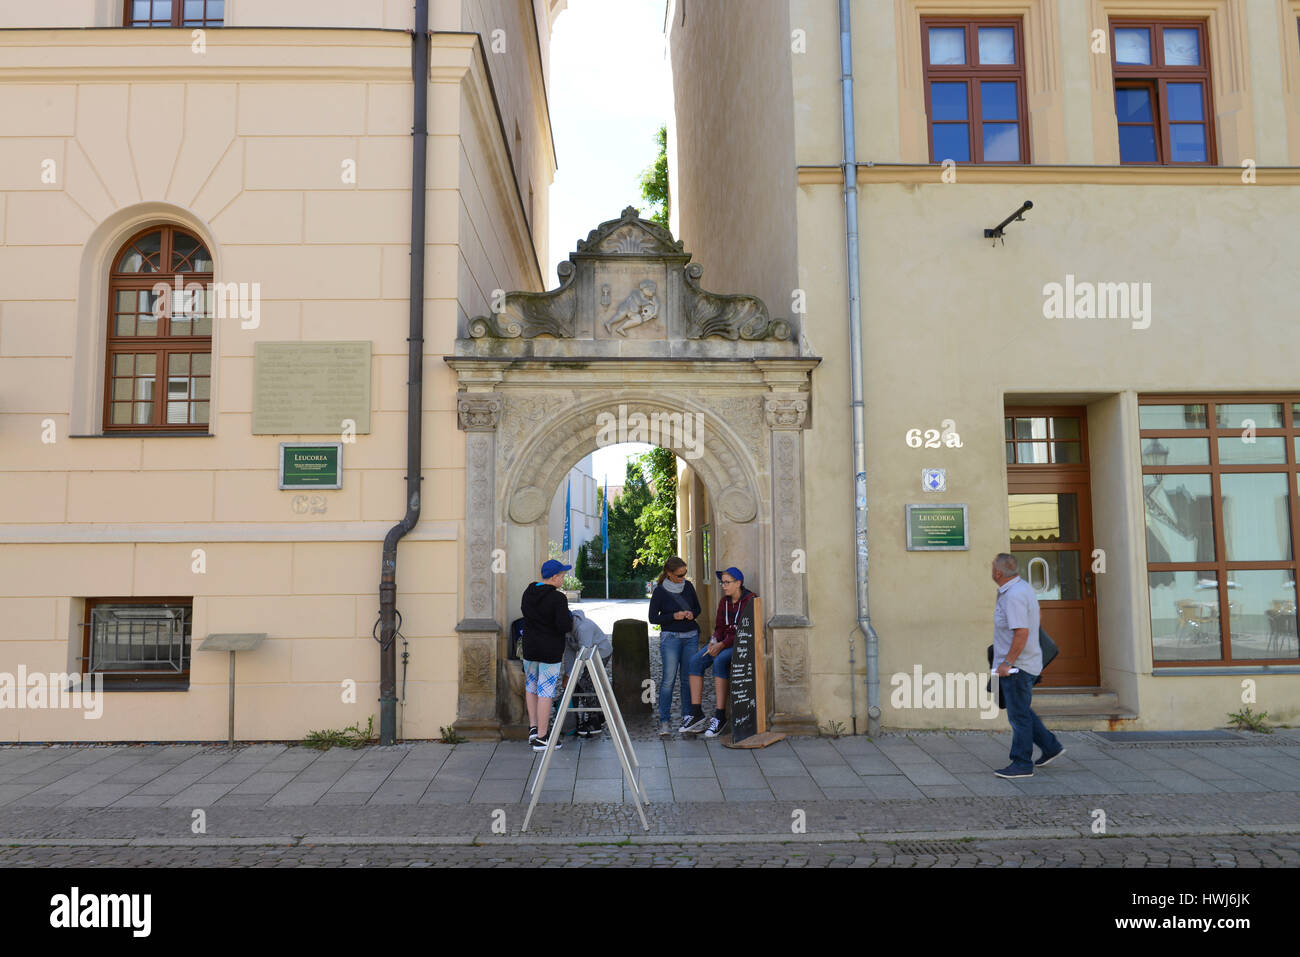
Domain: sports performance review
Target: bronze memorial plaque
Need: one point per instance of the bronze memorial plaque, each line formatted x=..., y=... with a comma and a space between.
x=311, y=388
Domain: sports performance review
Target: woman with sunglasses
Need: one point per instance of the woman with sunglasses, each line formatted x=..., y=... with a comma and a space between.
x=674, y=607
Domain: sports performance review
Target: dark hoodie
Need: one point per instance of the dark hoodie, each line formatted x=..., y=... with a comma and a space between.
x=546, y=621
x=728, y=612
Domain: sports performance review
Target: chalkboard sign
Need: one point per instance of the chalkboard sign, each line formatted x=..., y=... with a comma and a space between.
x=746, y=691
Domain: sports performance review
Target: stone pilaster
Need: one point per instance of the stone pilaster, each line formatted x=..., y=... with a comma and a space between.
x=787, y=416
x=479, y=632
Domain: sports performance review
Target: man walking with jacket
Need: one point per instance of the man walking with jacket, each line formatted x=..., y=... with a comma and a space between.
x=1018, y=661
x=546, y=622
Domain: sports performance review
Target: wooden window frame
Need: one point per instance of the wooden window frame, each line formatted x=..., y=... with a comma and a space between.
x=971, y=73
x=1221, y=566
x=1157, y=76
x=1062, y=470
x=138, y=680
x=161, y=345
x=177, y=17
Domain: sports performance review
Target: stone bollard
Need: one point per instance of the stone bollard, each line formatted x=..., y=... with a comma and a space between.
x=631, y=665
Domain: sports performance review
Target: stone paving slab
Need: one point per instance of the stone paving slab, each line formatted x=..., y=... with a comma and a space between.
x=893, y=767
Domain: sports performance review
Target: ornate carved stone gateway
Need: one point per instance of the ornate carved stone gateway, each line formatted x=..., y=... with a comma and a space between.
x=630, y=336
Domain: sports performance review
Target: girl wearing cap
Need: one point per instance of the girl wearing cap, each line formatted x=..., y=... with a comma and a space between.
x=735, y=596
x=674, y=607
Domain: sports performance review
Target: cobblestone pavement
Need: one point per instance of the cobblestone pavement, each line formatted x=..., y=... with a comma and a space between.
x=1205, y=852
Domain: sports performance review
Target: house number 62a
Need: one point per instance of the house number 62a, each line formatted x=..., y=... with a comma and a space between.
x=945, y=435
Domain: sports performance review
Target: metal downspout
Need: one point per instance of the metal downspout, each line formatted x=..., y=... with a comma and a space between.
x=850, y=169
x=414, y=386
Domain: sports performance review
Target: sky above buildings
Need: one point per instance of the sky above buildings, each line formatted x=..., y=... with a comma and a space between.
x=610, y=91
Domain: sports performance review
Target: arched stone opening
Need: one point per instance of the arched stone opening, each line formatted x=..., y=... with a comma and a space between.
x=719, y=382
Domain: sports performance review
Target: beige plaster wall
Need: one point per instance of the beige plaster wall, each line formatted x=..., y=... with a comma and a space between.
x=735, y=147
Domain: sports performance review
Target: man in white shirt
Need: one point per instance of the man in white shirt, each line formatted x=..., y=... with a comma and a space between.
x=1018, y=661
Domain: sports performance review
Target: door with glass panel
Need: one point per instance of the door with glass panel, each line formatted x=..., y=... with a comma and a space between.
x=1050, y=512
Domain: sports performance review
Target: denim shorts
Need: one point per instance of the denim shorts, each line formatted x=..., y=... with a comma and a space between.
x=541, y=677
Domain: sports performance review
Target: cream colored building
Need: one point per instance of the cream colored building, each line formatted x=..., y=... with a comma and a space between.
x=1140, y=499
x=270, y=145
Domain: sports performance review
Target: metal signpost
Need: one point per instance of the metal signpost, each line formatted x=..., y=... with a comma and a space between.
x=232, y=643
x=613, y=720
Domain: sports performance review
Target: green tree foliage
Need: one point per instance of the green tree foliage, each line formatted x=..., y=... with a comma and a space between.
x=657, y=522
x=654, y=181
x=625, y=538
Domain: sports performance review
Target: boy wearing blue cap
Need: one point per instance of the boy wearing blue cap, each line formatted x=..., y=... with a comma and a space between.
x=546, y=621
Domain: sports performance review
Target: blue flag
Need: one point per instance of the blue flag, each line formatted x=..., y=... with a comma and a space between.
x=567, y=539
x=604, y=517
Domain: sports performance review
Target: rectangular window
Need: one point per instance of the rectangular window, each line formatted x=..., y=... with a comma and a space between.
x=975, y=90
x=1162, y=92
x=138, y=643
x=1043, y=440
x=174, y=13
x=1219, y=484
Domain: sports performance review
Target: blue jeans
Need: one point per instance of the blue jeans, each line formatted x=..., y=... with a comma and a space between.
x=675, y=647
x=721, y=664
x=1026, y=729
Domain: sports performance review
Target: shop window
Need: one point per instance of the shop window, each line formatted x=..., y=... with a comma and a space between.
x=138, y=643
x=158, y=369
x=1220, y=483
x=1163, y=104
x=174, y=13
x=975, y=90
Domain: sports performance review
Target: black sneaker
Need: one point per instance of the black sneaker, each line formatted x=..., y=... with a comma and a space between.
x=687, y=721
x=532, y=733
x=539, y=744
x=696, y=726
x=716, y=727
x=1047, y=759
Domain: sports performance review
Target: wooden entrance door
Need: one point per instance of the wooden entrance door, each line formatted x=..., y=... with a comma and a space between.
x=1050, y=509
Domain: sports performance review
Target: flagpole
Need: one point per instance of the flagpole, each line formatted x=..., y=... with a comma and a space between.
x=604, y=532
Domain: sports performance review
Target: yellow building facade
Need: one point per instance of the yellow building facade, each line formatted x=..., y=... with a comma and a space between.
x=1108, y=389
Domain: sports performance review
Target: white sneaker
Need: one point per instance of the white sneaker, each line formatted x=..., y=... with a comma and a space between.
x=665, y=729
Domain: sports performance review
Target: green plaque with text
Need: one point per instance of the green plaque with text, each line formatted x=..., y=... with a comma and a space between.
x=311, y=465
x=937, y=528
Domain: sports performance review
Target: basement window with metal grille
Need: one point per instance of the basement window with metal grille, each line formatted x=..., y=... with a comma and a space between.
x=140, y=644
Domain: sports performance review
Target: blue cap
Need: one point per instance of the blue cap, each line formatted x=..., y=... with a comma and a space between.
x=734, y=572
x=553, y=567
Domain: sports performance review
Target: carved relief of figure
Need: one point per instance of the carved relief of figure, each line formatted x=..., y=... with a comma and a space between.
x=638, y=308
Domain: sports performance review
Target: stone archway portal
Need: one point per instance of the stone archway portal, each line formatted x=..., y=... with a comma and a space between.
x=629, y=338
